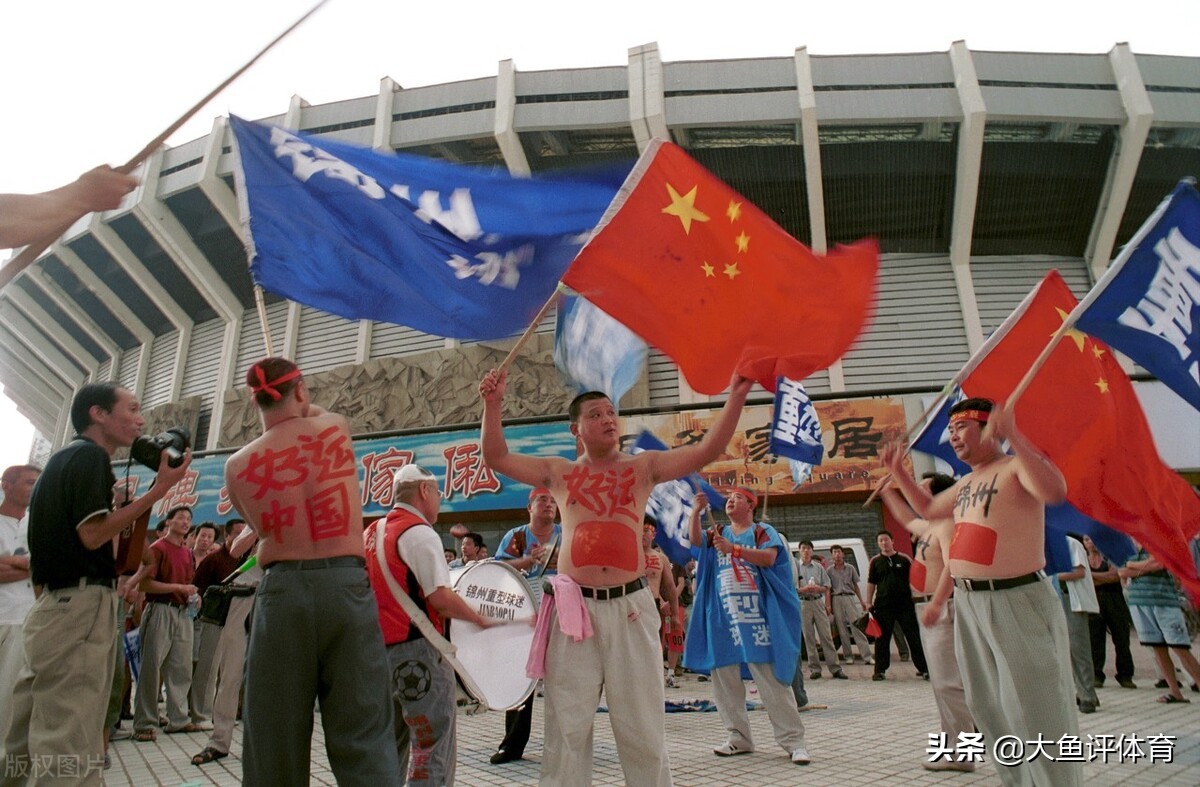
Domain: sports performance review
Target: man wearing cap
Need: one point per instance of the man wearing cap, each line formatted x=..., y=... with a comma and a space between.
x=315, y=628
x=747, y=613
x=602, y=496
x=404, y=556
x=531, y=549
x=1010, y=635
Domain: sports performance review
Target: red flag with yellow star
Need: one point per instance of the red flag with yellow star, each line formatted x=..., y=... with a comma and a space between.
x=697, y=271
x=1082, y=412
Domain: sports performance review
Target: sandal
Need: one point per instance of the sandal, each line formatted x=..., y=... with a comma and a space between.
x=189, y=727
x=208, y=754
x=145, y=736
x=1170, y=699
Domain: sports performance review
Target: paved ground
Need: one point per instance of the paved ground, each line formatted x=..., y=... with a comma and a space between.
x=870, y=734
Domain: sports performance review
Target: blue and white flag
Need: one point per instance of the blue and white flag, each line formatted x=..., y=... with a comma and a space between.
x=795, y=427
x=594, y=351
x=1147, y=305
x=934, y=440
x=801, y=472
x=447, y=249
x=670, y=505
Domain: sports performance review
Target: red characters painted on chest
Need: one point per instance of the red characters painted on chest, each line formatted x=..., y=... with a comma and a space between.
x=606, y=493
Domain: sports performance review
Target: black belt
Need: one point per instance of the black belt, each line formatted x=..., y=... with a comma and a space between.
x=343, y=561
x=604, y=594
x=999, y=584
x=843, y=594
x=923, y=599
x=81, y=583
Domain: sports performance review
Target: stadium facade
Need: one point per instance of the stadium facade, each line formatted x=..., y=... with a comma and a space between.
x=976, y=171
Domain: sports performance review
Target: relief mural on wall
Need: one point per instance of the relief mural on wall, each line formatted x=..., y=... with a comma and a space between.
x=436, y=388
x=160, y=418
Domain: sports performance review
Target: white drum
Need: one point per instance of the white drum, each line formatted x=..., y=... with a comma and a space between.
x=495, y=657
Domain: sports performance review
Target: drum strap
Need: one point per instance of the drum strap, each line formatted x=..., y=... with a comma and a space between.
x=418, y=618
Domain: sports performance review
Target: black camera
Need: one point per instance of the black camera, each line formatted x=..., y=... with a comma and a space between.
x=148, y=450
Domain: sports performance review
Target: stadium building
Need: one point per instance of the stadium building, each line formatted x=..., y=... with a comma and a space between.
x=976, y=171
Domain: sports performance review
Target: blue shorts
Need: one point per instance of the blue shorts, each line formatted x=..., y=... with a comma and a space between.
x=1161, y=626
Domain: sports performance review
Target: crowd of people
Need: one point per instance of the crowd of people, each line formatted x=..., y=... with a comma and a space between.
x=355, y=621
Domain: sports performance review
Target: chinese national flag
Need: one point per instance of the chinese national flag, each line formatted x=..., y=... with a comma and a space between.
x=1081, y=410
x=697, y=271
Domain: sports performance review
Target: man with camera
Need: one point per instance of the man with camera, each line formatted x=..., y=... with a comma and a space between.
x=315, y=632
x=61, y=697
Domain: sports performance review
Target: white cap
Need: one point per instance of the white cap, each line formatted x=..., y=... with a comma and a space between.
x=412, y=472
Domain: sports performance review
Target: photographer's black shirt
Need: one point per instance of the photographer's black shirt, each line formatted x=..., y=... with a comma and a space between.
x=76, y=485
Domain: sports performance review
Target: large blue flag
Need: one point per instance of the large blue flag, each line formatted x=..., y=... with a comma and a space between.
x=450, y=250
x=795, y=427
x=1147, y=305
x=934, y=440
x=594, y=351
x=670, y=505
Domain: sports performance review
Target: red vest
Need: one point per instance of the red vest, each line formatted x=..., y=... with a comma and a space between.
x=396, y=625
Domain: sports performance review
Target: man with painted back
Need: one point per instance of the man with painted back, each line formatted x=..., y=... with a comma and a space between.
x=315, y=632
x=1010, y=633
x=602, y=497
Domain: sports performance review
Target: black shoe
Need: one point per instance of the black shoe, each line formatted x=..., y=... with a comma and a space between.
x=1161, y=683
x=1126, y=683
x=923, y=675
x=502, y=756
x=878, y=676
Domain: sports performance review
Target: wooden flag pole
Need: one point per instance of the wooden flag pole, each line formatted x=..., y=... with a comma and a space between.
x=33, y=250
x=537, y=320
x=262, y=319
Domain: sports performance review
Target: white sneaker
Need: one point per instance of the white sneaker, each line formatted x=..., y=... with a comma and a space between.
x=731, y=750
x=949, y=765
x=671, y=684
x=800, y=755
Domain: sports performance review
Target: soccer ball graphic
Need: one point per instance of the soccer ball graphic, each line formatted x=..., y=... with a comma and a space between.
x=411, y=680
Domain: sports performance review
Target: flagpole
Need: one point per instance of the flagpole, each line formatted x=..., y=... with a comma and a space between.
x=908, y=435
x=537, y=320
x=262, y=319
x=31, y=252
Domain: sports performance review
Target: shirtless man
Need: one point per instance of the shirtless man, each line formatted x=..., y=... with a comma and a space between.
x=1010, y=637
x=661, y=582
x=315, y=634
x=931, y=585
x=602, y=498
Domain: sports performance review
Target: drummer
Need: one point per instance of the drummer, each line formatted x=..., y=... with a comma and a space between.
x=601, y=581
x=532, y=549
x=423, y=684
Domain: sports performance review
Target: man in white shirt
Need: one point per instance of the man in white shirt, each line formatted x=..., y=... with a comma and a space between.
x=16, y=591
x=1079, y=601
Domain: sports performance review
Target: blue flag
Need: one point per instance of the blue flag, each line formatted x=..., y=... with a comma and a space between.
x=1147, y=305
x=795, y=427
x=447, y=249
x=670, y=505
x=934, y=440
x=594, y=351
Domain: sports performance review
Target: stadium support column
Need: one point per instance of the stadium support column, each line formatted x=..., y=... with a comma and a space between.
x=966, y=187
x=1122, y=169
x=814, y=179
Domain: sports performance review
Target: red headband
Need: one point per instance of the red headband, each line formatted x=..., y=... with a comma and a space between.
x=540, y=490
x=970, y=415
x=269, y=387
x=748, y=494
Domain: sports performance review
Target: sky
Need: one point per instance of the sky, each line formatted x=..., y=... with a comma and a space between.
x=87, y=83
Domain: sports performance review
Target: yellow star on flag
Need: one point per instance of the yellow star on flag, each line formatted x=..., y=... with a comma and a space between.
x=1096, y=351
x=734, y=211
x=1102, y=384
x=1074, y=335
x=743, y=242
x=708, y=270
x=732, y=271
x=684, y=208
